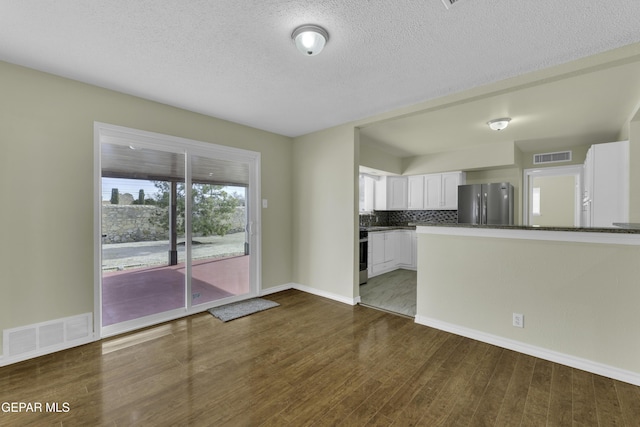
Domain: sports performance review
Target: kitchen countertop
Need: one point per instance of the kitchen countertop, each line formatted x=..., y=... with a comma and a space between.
x=614, y=230
x=633, y=225
x=374, y=229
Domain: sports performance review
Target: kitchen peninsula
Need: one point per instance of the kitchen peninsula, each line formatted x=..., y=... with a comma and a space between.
x=577, y=289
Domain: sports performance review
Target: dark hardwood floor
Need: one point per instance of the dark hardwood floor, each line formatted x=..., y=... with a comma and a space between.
x=310, y=361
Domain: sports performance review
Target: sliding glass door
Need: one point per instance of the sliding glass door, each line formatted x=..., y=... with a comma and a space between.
x=173, y=224
x=219, y=247
x=141, y=231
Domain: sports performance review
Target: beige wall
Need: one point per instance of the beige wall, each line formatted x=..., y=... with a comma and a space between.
x=487, y=156
x=634, y=169
x=557, y=200
x=578, y=299
x=373, y=157
x=46, y=184
x=325, y=210
x=578, y=155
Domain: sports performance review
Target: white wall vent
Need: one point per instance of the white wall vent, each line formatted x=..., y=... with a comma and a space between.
x=35, y=340
x=449, y=3
x=557, y=157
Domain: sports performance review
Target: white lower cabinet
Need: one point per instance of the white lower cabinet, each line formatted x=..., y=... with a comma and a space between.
x=390, y=250
x=383, y=250
x=404, y=250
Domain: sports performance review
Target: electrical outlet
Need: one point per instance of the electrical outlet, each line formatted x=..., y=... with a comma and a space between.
x=518, y=320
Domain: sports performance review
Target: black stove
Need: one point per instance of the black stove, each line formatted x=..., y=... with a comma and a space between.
x=364, y=234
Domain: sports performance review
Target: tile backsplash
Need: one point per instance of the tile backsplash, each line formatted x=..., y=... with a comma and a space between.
x=397, y=218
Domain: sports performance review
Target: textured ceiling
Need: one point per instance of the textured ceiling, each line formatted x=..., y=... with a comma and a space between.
x=234, y=59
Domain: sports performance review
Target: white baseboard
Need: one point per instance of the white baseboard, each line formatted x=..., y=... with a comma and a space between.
x=274, y=289
x=310, y=290
x=539, y=352
x=325, y=294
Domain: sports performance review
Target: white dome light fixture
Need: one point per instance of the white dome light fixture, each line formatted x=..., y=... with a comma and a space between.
x=310, y=39
x=499, y=124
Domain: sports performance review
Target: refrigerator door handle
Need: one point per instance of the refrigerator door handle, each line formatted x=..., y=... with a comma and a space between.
x=484, y=209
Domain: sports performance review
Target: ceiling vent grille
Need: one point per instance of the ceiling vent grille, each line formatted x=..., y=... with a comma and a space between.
x=449, y=3
x=557, y=157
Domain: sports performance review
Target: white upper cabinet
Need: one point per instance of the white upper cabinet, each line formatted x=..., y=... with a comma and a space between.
x=434, y=191
x=415, y=192
x=449, y=195
x=391, y=193
x=606, y=185
x=367, y=190
x=418, y=192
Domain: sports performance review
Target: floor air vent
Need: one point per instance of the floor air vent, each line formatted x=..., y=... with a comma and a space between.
x=559, y=156
x=42, y=338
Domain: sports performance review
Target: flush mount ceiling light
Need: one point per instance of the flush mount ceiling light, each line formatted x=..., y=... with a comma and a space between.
x=310, y=39
x=499, y=124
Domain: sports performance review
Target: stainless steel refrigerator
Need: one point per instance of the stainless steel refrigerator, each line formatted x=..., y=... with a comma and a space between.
x=485, y=204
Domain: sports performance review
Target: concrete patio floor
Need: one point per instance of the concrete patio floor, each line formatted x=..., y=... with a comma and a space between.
x=137, y=282
x=123, y=256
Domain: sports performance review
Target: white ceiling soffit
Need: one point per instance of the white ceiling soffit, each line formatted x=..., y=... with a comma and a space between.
x=235, y=59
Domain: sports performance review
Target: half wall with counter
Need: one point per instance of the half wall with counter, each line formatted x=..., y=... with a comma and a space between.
x=578, y=290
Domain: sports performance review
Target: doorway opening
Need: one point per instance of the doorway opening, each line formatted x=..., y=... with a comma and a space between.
x=552, y=196
x=176, y=230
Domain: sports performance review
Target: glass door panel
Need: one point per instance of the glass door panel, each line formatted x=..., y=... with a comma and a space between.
x=174, y=218
x=219, y=245
x=142, y=230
